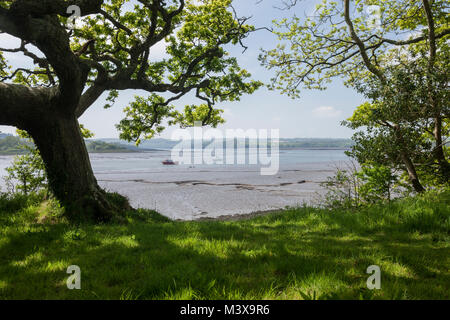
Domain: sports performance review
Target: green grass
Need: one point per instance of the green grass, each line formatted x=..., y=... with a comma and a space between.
x=302, y=253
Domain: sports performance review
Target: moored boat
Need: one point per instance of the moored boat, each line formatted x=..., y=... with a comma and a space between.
x=168, y=163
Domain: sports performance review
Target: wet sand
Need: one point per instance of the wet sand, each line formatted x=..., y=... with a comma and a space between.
x=199, y=194
x=212, y=191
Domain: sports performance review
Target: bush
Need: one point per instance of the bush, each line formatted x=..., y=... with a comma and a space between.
x=27, y=173
x=377, y=183
x=351, y=187
x=16, y=202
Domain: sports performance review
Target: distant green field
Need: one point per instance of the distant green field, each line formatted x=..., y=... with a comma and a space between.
x=103, y=147
x=12, y=145
x=302, y=253
x=315, y=143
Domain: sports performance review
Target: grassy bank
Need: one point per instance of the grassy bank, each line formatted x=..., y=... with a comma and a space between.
x=294, y=254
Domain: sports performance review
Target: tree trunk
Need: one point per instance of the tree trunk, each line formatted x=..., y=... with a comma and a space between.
x=406, y=159
x=412, y=173
x=444, y=166
x=70, y=175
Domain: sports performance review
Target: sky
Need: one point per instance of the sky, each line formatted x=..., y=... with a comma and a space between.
x=316, y=114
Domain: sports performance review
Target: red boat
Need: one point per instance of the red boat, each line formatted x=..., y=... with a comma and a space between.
x=168, y=163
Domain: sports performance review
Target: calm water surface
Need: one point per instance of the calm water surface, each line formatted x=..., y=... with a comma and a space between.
x=198, y=191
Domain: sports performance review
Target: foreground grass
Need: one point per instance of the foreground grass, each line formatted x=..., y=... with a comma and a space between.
x=302, y=253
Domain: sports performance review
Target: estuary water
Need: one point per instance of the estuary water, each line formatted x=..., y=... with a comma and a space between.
x=189, y=192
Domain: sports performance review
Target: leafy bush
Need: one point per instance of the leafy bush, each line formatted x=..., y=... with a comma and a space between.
x=377, y=182
x=353, y=187
x=15, y=202
x=27, y=172
x=342, y=189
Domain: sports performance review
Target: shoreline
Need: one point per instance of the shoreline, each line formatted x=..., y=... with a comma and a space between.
x=168, y=150
x=213, y=193
x=235, y=216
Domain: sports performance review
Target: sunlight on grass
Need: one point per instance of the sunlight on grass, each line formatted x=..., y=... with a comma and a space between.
x=59, y=265
x=302, y=253
x=29, y=260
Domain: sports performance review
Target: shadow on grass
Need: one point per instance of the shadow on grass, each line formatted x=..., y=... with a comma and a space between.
x=220, y=260
x=294, y=254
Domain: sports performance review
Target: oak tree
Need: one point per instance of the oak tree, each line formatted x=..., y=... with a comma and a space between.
x=109, y=51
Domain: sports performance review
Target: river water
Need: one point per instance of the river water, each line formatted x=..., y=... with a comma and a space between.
x=190, y=192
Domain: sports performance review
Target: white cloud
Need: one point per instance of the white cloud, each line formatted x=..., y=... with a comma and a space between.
x=227, y=112
x=326, y=112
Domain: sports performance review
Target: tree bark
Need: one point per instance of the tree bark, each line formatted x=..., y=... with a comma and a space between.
x=68, y=166
x=444, y=166
x=406, y=159
x=412, y=173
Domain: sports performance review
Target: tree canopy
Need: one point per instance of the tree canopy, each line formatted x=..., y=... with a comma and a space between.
x=397, y=58
x=112, y=48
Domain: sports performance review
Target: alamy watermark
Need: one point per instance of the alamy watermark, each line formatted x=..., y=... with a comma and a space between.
x=74, y=280
x=75, y=12
x=374, y=281
x=234, y=146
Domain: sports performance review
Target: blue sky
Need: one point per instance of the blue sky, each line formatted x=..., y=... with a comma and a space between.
x=315, y=114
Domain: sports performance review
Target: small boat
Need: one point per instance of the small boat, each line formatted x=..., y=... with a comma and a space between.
x=169, y=163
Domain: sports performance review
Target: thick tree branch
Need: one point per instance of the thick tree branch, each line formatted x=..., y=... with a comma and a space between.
x=21, y=105
x=72, y=74
x=414, y=40
x=51, y=7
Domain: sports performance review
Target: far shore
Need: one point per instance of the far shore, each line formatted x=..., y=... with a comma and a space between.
x=155, y=150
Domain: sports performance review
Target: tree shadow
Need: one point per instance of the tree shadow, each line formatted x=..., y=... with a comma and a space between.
x=218, y=260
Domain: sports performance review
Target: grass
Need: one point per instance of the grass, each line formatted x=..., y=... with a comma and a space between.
x=301, y=253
